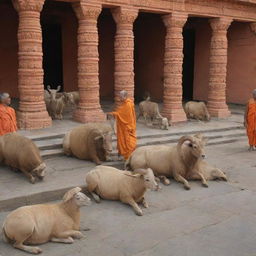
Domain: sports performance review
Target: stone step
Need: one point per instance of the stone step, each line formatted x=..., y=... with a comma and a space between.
x=175, y=137
x=48, y=136
x=55, y=184
x=50, y=153
x=156, y=133
x=212, y=141
x=51, y=146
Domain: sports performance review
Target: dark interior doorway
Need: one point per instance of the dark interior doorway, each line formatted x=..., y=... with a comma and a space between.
x=52, y=55
x=149, y=41
x=188, y=64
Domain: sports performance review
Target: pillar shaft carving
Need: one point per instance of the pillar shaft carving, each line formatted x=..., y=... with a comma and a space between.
x=218, y=68
x=124, y=49
x=173, y=60
x=89, y=109
x=32, y=112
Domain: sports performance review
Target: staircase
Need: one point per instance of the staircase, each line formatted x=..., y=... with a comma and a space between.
x=51, y=145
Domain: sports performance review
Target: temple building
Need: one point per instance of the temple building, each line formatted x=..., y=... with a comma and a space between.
x=177, y=50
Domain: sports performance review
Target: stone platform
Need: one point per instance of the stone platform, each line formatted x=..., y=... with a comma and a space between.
x=219, y=220
x=49, y=140
x=15, y=190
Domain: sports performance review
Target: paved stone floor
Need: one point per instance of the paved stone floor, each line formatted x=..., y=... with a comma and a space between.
x=219, y=220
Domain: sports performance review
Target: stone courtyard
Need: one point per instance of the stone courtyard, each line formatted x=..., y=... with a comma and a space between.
x=219, y=220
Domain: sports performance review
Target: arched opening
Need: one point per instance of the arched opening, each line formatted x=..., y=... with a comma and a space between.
x=107, y=31
x=149, y=32
x=59, y=31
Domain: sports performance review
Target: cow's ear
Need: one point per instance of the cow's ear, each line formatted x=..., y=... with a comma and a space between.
x=199, y=136
x=48, y=87
x=58, y=88
x=70, y=194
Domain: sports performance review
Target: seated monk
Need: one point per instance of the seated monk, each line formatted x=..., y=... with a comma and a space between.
x=126, y=126
x=250, y=121
x=8, y=122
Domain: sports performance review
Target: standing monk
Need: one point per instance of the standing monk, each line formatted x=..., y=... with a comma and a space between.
x=7, y=115
x=126, y=126
x=250, y=121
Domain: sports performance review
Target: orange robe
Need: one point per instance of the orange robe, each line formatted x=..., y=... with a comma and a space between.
x=126, y=128
x=251, y=122
x=8, y=121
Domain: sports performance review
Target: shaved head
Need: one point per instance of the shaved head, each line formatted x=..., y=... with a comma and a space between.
x=5, y=98
x=254, y=93
x=123, y=95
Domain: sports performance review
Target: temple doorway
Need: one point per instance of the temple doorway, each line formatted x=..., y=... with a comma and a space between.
x=188, y=64
x=149, y=48
x=52, y=52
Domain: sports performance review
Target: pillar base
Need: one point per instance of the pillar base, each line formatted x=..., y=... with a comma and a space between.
x=175, y=115
x=33, y=120
x=86, y=116
x=219, y=113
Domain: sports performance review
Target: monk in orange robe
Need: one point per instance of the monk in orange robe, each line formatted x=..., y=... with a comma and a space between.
x=250, y=121
x=8, y=121
x=126, y=126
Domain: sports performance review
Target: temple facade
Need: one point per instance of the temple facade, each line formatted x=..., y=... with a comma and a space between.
x=177, y=50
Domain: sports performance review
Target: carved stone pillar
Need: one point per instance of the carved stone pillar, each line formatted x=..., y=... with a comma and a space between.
x=173, y=60
x=89, y=109
x=124, y=48
x=218, y=68
x=32, y=112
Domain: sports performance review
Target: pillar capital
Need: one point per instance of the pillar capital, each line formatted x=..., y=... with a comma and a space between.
x=220, y=24
x=86, y=11
x=124, y=15
x=175, y=19
x=253, y=27
x=28, y=5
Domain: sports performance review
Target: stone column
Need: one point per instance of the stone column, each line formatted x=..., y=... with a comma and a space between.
x=32, y=112
x=89, y=109
x=124, y=48
x=173, y=60
x=218, y=68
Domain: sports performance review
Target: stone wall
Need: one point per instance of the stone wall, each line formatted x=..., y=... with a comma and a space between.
x=241, y=75
x=8, y=49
